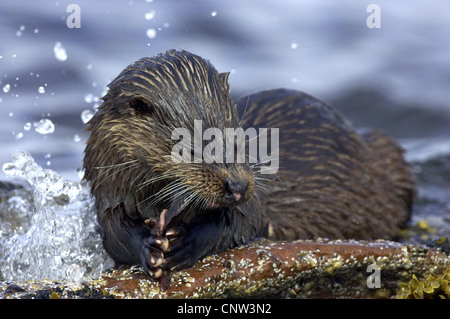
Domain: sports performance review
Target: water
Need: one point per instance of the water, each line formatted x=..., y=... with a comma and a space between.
x=396, y=78
x=50, y=234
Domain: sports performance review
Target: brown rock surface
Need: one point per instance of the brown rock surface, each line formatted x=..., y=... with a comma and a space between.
x=298, y=269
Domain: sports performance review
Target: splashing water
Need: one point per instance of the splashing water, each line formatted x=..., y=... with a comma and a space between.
x=53, y=236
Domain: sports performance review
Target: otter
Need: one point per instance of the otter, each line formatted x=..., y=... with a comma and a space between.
x=333, y=181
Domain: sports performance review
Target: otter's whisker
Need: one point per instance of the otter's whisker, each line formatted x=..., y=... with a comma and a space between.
x=175, y=187
x=160, y=195
x=163, y=176
x=241, y=120
x=154, y=179
x=116, y=165
x=123, y=166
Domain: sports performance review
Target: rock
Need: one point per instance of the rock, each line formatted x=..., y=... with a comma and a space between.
x=265, y=269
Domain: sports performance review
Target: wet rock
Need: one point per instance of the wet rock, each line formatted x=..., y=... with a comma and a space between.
x=265, y=269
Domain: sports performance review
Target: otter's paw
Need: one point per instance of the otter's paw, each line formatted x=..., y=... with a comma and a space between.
x=181, y=253
x=153, y=249
x=152, y=255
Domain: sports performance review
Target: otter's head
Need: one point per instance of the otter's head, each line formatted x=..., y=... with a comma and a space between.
x=132, y=142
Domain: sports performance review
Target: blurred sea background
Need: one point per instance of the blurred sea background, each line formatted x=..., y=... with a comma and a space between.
x=395, y=78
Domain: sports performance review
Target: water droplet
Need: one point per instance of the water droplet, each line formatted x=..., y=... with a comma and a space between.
x=60, y=52
x=89, y=98
x=151, y=33
x=6, y=88
x=27, y=126
x=80, y=173
x=294, y=45
x=213, y=14
x=76, y=138
x=36, y=31
x=86, y=115
x=41, y=90
x=150, y=15
x=44, y=126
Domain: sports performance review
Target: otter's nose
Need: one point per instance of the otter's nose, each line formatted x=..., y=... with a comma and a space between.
x=235, y=189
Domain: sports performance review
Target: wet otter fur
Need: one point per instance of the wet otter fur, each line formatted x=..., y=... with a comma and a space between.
x=332, y=181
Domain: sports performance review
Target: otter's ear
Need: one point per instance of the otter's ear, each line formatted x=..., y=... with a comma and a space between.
x=224, y=79
x=141, y=105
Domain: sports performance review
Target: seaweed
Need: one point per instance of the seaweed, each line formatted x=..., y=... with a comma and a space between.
x=432, y=287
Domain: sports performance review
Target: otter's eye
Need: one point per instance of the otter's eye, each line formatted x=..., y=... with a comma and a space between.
x=141, y=105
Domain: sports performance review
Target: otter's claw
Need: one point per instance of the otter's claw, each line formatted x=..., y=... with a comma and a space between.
x=163, y=243
x=171, y=233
